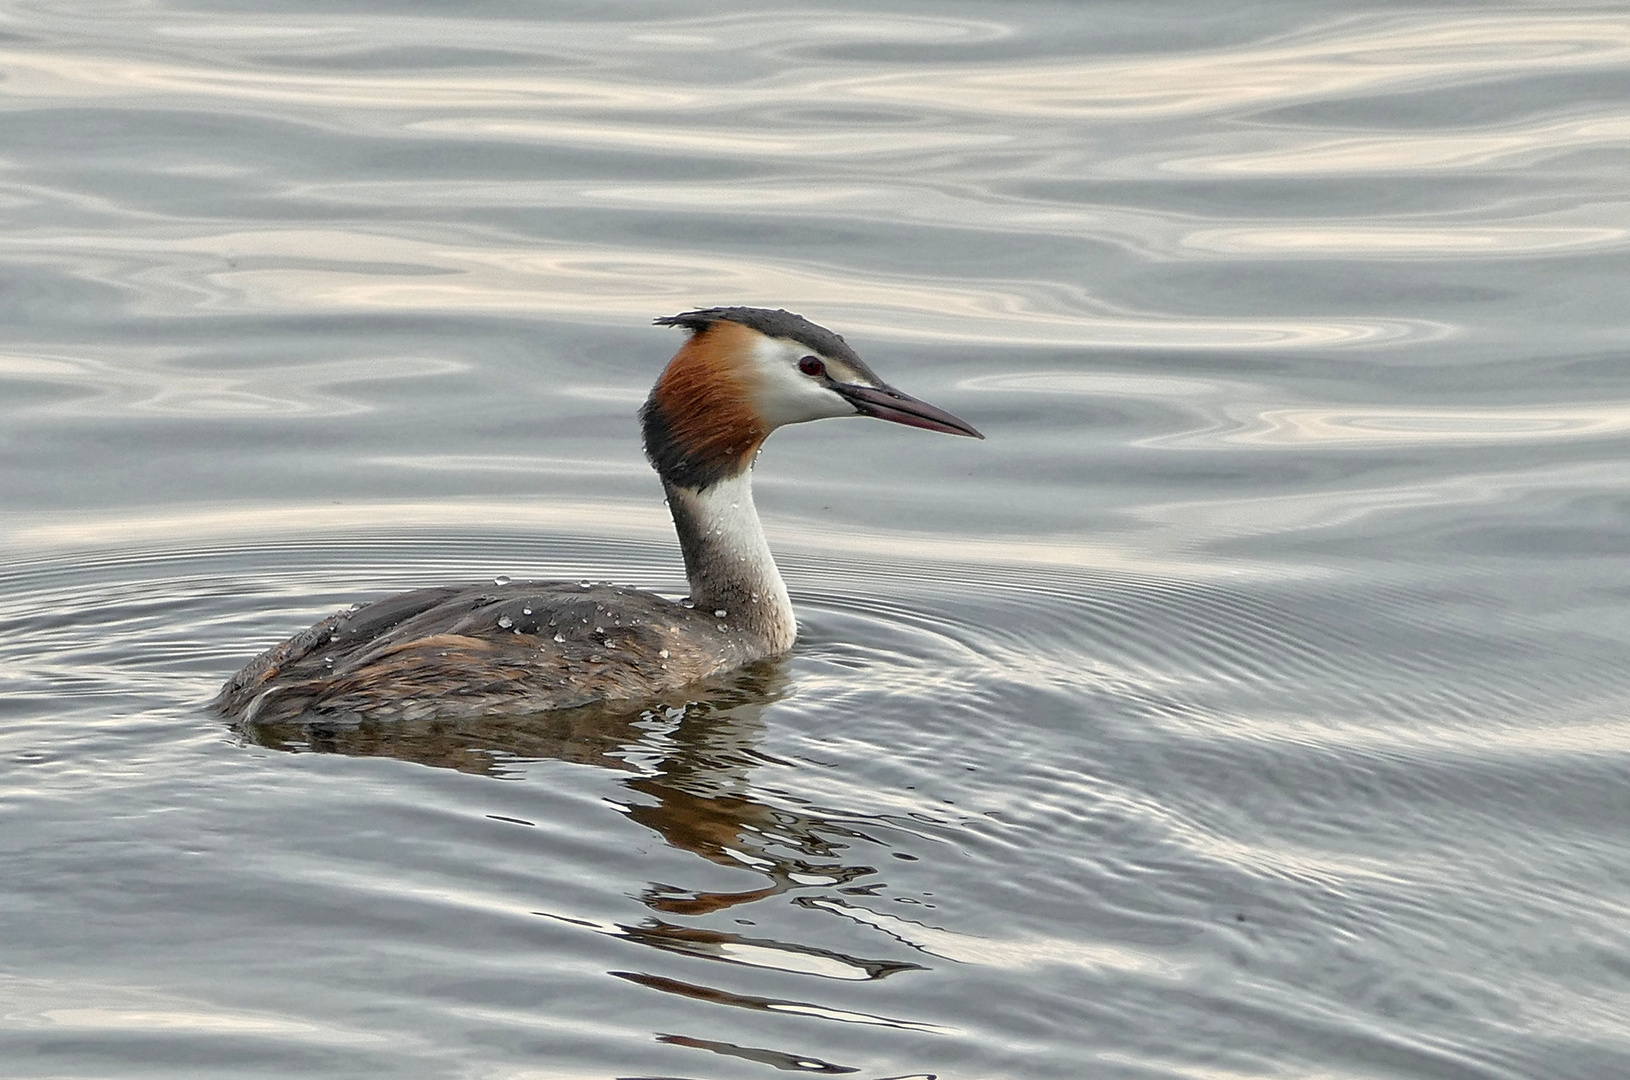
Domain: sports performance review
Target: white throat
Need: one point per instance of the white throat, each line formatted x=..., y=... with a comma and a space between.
x=728, y=560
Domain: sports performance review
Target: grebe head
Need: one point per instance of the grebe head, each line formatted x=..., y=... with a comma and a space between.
x=747, y=371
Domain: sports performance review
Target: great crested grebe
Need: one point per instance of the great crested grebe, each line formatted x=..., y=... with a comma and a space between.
x=532, y=646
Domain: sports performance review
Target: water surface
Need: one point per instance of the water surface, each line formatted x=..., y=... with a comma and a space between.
x=1250, y=704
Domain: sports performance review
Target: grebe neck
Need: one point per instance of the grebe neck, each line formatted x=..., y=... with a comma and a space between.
x=728, y=561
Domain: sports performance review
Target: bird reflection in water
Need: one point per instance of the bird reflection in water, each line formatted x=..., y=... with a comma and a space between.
x=689, y=763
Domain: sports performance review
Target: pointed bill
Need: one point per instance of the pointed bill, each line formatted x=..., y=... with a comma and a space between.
x=887, y=403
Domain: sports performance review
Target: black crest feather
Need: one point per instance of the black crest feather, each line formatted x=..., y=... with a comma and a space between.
x=772, y=322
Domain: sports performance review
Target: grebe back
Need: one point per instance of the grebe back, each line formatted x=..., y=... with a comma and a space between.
x=540, y=645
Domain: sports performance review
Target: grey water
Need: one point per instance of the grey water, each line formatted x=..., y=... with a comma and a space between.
x=1250, y=704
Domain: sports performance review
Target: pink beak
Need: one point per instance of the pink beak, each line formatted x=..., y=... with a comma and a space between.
x=887, y=403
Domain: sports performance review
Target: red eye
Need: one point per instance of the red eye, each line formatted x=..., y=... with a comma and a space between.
x=812, y=366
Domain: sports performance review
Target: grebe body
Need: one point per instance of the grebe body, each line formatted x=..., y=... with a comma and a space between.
x=541, y=645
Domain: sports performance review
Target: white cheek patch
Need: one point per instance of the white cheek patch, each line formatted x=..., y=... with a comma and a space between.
x=785, y=395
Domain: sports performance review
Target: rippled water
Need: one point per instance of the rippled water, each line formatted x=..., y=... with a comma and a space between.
x=1250, y=704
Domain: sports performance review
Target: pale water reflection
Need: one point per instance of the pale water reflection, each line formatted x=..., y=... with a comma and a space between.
x=1348, y=58
x=366, y=272
x=1249, y=704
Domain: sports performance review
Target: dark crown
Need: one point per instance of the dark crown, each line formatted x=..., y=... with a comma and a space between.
x=777, y=323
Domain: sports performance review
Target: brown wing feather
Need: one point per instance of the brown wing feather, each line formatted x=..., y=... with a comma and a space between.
x=523, y=647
